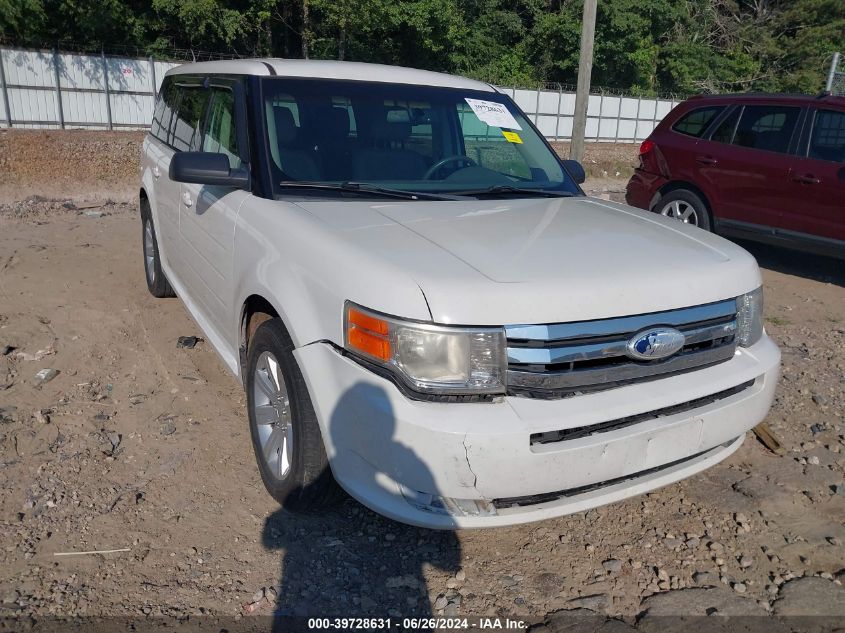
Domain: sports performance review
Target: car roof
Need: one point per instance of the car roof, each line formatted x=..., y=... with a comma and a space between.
x=771, y=96
x=329, y=69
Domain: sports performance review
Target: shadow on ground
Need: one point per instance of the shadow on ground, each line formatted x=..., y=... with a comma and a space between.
x=798, y=263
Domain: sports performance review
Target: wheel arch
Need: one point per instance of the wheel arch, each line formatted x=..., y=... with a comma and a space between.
x=255, y=310
x=674, y=185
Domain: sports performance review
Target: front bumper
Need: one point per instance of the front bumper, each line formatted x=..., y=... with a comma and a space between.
x=384, y=448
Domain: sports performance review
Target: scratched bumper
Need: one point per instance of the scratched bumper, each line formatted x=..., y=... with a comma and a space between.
x=381, y=444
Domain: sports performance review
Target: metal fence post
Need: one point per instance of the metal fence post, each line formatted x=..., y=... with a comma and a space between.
x=6, y=103
x=618, y=118
x=153, y=76
x=601, y=107
x=557, y=118
x=106, y=84
x=537, y=107
x=637, y=120
x=654, y=118
x=59, y=107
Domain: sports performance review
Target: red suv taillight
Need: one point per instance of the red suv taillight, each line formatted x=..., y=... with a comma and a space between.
x=646, y=147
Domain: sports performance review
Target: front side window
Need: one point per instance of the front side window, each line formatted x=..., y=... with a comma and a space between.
x=827, y=141
x=163, y=114
x=695, y=122
x=220, y=133
x=766, y=127
x=403, y=136
x=188, y=114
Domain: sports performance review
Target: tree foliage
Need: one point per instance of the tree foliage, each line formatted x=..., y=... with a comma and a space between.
x=643, y=46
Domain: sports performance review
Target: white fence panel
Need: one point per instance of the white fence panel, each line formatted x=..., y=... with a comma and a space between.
x=96, y=91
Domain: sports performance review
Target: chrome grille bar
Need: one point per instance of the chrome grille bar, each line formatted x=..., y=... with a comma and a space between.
x=623, y=372
x=591, y=351
x=631, y=324
x=554, y=360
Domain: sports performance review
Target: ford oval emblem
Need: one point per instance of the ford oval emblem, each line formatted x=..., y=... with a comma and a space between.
x=655, y=343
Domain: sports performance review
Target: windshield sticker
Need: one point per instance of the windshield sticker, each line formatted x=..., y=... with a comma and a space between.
x=493, y=114
x=512, y=137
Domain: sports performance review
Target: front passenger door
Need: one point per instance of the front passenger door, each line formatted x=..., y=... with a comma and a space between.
x=207, y=219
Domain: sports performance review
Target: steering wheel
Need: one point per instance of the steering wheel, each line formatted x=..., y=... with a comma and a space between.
x=445, y=161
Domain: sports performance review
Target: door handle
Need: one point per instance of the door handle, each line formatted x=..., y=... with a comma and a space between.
x=186, y=198
x=156, y=172
x=806, y=179
x=706, y=160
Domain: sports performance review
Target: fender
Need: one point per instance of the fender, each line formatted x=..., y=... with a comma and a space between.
x=307, y=270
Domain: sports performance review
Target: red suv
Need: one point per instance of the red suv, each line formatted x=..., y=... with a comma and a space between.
x=758, y=166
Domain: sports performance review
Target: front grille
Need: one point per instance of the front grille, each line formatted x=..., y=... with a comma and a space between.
x=558, y=360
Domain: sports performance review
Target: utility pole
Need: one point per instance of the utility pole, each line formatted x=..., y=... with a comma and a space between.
x=828, y=86
x=585, y=69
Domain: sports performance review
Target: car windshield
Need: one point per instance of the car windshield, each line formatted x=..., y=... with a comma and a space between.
x=323, y=134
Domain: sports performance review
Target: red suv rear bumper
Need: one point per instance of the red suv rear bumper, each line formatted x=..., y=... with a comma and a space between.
x=642, y=188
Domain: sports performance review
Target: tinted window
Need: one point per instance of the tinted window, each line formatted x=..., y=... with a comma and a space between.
x=828, y=139
x=725, y=132
x=187, y=120
x=766, y=127
x=695, y=122
x=220, y=135
x=404, y=136
x=164, y=110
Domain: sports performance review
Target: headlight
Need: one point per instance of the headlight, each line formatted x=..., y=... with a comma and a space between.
x=429, y=358
x=749, y=318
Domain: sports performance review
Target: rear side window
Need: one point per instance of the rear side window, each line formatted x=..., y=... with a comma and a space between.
x=220, y=134
x=695, y=122
x=187, y=120
x=725, y=132
x=766, y=127
x=827, y=141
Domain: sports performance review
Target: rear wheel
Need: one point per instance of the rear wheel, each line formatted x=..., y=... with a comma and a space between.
x=685, y=206
x=157, y=282
x=286, y=437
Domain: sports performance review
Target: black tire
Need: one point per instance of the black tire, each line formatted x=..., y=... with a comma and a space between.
x=685, y=199
x=157, y=282
x=308, y=485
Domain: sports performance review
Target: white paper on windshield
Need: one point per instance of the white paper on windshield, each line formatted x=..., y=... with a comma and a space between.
x=493, y=114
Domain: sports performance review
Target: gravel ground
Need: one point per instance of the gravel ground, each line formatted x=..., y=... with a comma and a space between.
x=137, y=445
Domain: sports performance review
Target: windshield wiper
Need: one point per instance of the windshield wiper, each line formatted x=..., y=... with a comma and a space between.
x=510, y=189
x=366, y=189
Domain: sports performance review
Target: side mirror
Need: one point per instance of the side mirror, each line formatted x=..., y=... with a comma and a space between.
x=576, y=170
x=207, y=168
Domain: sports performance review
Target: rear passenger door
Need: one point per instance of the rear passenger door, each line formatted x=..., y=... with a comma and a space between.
x=207, y=215
x=746, y=163
x=818, y=177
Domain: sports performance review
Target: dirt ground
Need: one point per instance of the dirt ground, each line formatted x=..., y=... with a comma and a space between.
x=139, y=446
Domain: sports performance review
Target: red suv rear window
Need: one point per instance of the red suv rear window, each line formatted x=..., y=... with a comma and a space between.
x=695, y=122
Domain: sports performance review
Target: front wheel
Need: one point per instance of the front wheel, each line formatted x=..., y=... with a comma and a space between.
x=685, y=206
x=286, y=437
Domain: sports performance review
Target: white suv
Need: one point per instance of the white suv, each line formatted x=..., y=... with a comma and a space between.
x=423, y=306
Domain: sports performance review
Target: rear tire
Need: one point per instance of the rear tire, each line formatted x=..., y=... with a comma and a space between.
x=685, y=206
x=157, y=282
x=285, y=434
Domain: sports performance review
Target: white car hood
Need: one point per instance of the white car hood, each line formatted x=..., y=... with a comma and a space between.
x=543, y=260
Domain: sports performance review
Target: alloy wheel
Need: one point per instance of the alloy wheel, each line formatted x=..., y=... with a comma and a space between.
x=272, y=414
x=149, y=252
x=680, y=210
